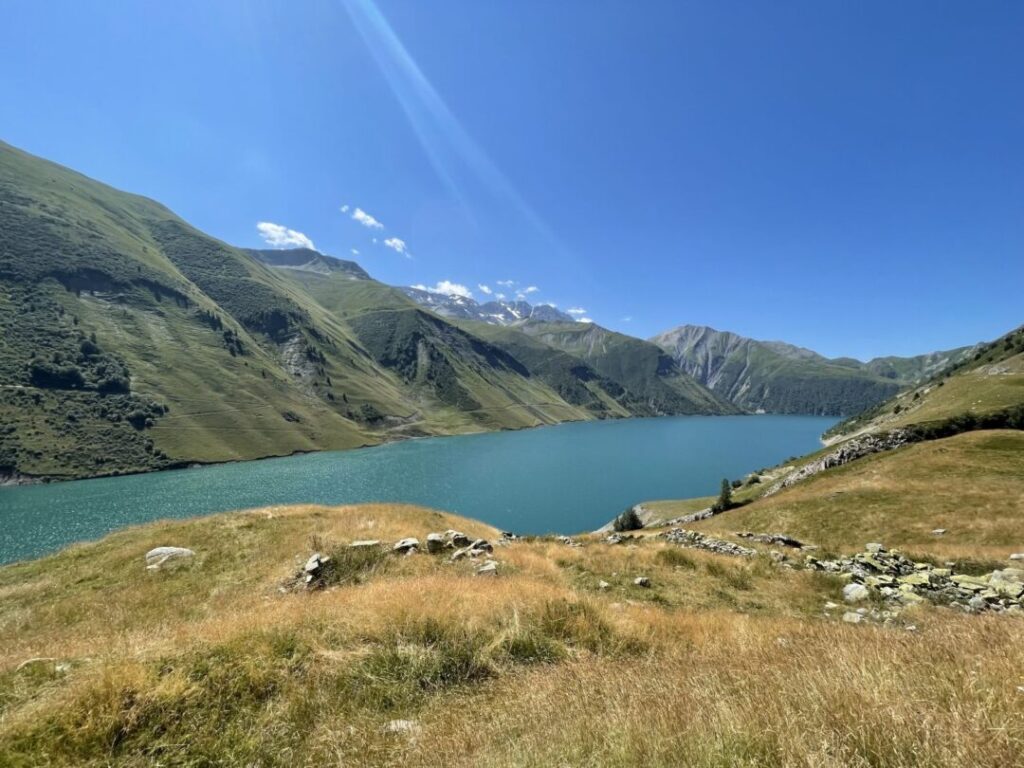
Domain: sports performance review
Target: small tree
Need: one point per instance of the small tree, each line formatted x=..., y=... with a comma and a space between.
x=628, y=521
x=724, y=501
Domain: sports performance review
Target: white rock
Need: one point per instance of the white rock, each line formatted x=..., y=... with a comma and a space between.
x=435, y=543
x=874, y=548
x=855, y=593
x=642, y=581
x=1017, y=556
x=156, y=558
x=852, y=618
x=938, y=531
x=365, y=543
x=603, y=585
x=404, y=727
x=489, y=568
x=406, y=545
x=830, y=606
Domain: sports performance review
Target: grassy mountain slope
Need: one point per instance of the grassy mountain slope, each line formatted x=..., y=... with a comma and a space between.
x=415, y=661
x=640, y=367
x=990, y=380
x=781, y=378
x=132, y=341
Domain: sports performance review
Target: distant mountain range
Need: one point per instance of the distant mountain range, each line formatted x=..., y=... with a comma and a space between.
x=496, y=312
x=775, y=377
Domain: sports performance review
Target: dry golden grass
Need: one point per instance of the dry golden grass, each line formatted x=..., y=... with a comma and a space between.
x=719, y=662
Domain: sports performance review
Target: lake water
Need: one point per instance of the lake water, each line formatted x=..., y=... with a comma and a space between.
x=565, y=479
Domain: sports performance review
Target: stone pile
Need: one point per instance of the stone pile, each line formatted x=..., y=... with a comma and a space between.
x=695, y=540
x=896, y=578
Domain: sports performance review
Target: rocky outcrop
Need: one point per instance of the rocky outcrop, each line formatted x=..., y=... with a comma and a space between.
x=163, y=557
x=695, y=540
x=893, y=577
x=849, y=451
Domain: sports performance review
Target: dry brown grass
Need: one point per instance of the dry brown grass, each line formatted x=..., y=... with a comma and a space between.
x=720, y=662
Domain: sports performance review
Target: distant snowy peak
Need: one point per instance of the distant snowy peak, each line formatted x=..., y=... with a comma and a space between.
x=491, y=312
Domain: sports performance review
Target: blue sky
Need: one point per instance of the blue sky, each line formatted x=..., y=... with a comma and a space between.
x=844, y=176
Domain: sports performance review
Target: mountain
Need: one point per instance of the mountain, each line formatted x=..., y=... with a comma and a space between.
x=496, y=312
x=131, y=341
x=776, y=377
x=638, y=366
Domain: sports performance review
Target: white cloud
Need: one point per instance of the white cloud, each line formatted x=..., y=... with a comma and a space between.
x=344, y=209
x=531, y=289
x=375, y=241
x=627, y=319
x=584, y=320
x=366, y=219
x=279, y=236
x=485, y=289
x=447, y=288
x=398, y=246
x=576, y=311
x=506, y=283
x=355, y=251
x=500, y=296
x=548, y=304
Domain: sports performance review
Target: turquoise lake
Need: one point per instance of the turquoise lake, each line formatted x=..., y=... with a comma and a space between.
x=564, y=479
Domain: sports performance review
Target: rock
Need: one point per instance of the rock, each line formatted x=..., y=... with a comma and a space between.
x=874, y=548
x=490, y=568
x=435, y=543
x=459, y=554
x=402, y=727
x=406, y=545
x=969, y=583
x=938, y=532
x=157, y=558
x=850, y=617
x=457, y=538
x=772, y=538
x=313, y=564
x=830, y=606
x=642, y=581
x=603, y=585
x=365, y=543
x=695, y=540
x=1017, y=556
x=1007, y=583
x=855, y=593
x=920, y=579
x=482, y=545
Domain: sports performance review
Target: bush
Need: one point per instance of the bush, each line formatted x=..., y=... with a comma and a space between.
x=724, y=500
x=628, y=521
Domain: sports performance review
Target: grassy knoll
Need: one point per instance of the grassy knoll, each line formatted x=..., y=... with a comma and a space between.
x=721, y=661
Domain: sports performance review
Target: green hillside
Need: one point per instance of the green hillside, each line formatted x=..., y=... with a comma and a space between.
x=638, y=366
x=988, y=382
x=780, y=378
x=132, y=341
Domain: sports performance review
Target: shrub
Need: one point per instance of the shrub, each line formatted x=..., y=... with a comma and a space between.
x=724, y=500
x=628, y=521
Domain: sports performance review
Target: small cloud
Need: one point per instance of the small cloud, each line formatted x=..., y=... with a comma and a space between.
x=548, y=304
x=344, y=209
x=506, y=283
x=484, y=289
x=531, y=289
x=375, y=241
x=447, y=288
x=584, y=320
x=576, y=311
x=355, y=251
x=279, y=236
x=398, y=246
x=627, y=319
x=500, y=296
x=366, y=219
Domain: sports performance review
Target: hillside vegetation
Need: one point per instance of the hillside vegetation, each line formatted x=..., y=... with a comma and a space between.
x=559, y=658
x=780, y=378
x=132, y=341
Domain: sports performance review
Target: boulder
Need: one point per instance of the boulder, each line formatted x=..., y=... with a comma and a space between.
x=406, y=546
x=490, y=568
x=1017, y=556
x=482, y=545
x=457, y=538
x=435, y=543
x=161, y=556
x=855, y=593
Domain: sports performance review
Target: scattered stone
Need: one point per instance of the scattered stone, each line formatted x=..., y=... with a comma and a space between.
x=696, y=540
x=849, y=451
x=851, y=617
x=490, y=568
x=157, y=558
x=830, y=606
x=603, y=585
x=365, y=543
x=874, y=548
x=855, y=593
x=772, y=538
x=938, y=532
x=481, y=545
x=402, y=727
x=642, y=581
x=568, y=541
x=1017, y=556
x=406, y=546
x=457, y=538
x=435, y=543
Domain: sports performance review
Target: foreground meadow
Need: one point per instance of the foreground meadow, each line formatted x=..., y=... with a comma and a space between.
x=560, y=658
